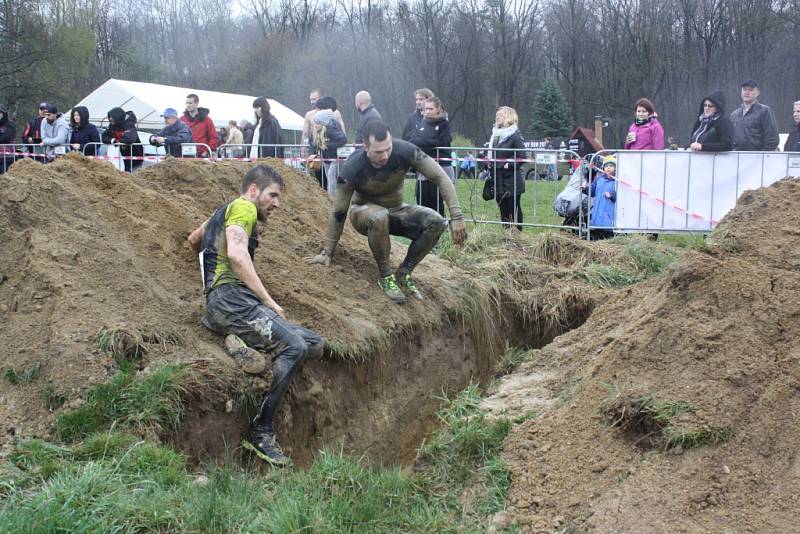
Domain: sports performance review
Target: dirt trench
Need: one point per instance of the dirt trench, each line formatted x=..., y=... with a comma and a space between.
x=382, y=408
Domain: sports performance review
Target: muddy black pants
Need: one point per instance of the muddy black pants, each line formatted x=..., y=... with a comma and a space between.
x=422, y=226
x=234, y=309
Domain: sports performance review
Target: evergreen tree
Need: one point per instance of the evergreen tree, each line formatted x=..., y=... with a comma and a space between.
x=550, y=113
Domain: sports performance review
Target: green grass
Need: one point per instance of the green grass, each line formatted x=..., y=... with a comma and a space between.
x=52, y=399
x=16, y=378
x=114, y=481
x=639, y=259
x=537, y=201
x=512, y=358
x=654, y=420
x=136, y=401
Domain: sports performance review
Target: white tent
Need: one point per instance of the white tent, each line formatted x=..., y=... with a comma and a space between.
x=149, y=100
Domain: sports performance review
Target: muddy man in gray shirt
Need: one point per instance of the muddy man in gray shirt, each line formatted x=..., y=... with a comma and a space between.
x=372, y=179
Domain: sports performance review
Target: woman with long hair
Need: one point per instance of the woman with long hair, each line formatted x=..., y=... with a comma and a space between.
x=267, y=132
x=505, y=147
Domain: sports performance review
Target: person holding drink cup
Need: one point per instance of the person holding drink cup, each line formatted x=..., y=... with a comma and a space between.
x=646, y=132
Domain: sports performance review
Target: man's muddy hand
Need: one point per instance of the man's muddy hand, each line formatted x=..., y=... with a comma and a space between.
x=458, y=231
x=321, y=259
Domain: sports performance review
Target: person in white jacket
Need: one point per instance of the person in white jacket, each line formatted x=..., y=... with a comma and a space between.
x=55, y=131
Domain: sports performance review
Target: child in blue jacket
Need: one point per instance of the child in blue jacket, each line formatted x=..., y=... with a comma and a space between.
x=604, y=200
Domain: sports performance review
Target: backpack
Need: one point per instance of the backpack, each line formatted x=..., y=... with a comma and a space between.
x=568, y=201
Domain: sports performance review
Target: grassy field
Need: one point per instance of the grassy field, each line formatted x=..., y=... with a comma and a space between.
x=537, y=201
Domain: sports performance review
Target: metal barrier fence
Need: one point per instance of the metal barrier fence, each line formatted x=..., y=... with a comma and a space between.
x=129, y=157
x=684, y=191
x=656, y=191
x=9, y=153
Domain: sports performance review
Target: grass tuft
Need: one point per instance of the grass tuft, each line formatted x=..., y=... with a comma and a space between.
x=52, y=400
x=144, y=402
x=16, y=378
x=512, y=358
x=123, y=344
x=651, y=423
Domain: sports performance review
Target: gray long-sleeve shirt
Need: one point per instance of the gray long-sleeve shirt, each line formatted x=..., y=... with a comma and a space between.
x=756, y=129
x=56, y=133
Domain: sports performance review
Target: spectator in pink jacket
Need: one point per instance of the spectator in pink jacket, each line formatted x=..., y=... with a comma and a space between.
x=646, y=132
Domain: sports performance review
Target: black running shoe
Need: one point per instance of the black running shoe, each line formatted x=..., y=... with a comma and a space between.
x=264, y=445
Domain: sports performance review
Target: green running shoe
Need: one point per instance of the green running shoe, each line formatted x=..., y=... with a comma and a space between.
x=390, y=289
x=263, y=444
x=407, y=285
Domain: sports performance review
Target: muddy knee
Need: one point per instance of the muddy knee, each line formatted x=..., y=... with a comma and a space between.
x=434, y=226
x=378, y=222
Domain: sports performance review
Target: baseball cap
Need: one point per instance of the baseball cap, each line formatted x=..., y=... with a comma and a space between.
x=169, y=112
x=43, y=105
x=750, y=83
x=51, y=108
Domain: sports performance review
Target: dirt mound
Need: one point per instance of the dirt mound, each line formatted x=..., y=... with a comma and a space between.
x=678, y=398
x=96, y=267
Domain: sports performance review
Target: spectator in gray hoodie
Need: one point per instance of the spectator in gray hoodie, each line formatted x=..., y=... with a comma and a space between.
x=55, y=131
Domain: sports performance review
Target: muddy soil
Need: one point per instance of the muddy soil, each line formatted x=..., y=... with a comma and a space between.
x=717, y=337
x=88, y=247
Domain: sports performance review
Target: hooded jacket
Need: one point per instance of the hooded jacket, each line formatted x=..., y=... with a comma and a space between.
x=84, y=132
x=649, y=135
x=174, y=135
x=8, y=132
x=122, y=130
x=56, y=133
x=793, y=142
x=433, y=133
x=717, y=135
x=603, y=208
x=203, y=130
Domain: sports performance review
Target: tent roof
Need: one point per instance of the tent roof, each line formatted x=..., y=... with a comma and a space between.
x=149, y=100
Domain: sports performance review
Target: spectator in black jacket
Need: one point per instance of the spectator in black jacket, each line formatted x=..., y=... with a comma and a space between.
x=366, y=114
x=713, y=130
x=267, y=132
x=174, y=133
x=505, y=147
x=33, y=129
x=432, y=135
x=415, y=120
x=793, y=142
x=754, y=126
x=8, y=135
x=83, y=132
x=247, y=131
x=122, y=132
